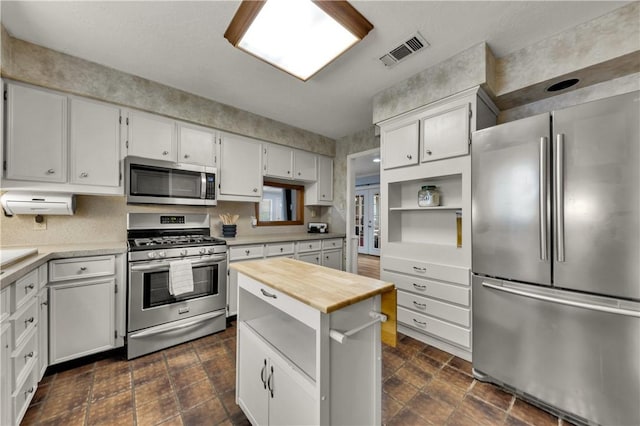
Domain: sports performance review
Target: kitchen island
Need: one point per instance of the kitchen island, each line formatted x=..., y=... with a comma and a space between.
x=309, y=343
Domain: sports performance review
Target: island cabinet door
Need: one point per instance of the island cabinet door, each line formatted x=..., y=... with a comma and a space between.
x=252, y=374
x=289, y=400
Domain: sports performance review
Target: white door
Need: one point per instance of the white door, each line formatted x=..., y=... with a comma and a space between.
x=325, y=178
x=399, y=144
x=446, y=134
x=196, y=145
x=304, y=164
x=290, y=400
x=367, y=217
x=332, y=259
x=278, y=161
x=252, y=375
x=151, y=136
x=240, y=167
x=82, y=319
x=95, y=143
x=36, y=135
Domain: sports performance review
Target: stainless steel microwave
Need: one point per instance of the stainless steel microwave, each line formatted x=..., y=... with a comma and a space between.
x=165, y=182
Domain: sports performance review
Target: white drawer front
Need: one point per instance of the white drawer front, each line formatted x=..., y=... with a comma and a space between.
x=280, y=249
x=447, y=292
x=82, y=267
x=24, y=321
x=453, y=274
x=246, y=252
x=23, y=396
x=5, y=307
x=314, y=258
x=455, y=314
x=332, y=243
x=24, y=288
x=24, y=357
x=458, y=335
x=310, y=245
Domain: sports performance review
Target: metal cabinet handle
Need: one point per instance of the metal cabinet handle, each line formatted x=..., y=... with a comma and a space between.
x=83, y=268
x=420, y=323
x=84, y=174
x=28, y=288
x=50, y=171
x=247, y=252
x=28, y=321
x=29, y=355
x=262, y=378
x=409, y=156
x=281, y=249
x=267, y=294
x=45, y=303
x=26, y=393
x=299, y=173
x=269, y=382
x=255, y=189
x=419, y=305
x=288, y=172
x=419, y=286
x=417, y=269
x=165, y=152
x=428, y=151
x=186, y=156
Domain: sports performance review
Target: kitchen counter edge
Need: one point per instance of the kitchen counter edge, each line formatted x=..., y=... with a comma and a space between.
x=264, y=239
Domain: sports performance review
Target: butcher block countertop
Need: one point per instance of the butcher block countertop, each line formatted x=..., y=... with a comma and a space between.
x=322, y=288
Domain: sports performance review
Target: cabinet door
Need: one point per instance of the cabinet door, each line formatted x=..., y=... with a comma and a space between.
x=304, y=165
x=278, y=161
x=446, y=134
x=43, y=332
x=240, y=168
x=313, y=257
x=196, y=145
x=252, y=374
x=325, y=179
x=399, y=144
x=36, y=135
x=151, y=136
x=95, y=143
x=332, y=259
x=290, y=403
x=82, y=319
x=5, y=374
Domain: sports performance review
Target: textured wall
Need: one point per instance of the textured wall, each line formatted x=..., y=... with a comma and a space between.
x=463, y=71
x=38, y=65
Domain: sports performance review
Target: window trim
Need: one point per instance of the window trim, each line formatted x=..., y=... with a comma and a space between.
x=299, y=203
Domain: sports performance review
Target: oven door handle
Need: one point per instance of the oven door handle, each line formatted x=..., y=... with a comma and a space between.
x=169, y=328
x=165, y=265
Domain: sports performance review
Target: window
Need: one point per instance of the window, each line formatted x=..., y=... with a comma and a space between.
x=282, y=204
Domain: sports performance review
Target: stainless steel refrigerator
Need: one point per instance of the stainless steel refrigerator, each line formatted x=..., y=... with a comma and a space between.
x=556, y=259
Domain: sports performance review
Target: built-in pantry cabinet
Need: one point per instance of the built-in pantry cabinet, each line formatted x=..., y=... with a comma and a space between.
x=426, y=251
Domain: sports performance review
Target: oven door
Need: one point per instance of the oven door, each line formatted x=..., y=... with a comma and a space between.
x=151, y=304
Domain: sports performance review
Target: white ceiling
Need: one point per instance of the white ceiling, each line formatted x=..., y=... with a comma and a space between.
x=363, y=165
x=181, y=44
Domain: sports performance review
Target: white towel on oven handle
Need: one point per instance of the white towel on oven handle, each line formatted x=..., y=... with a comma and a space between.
x=180, y=277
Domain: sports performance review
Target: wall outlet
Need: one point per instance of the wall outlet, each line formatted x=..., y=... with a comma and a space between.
x=40, y=226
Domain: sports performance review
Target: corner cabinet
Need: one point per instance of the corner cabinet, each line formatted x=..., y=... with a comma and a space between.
x=426, y=251
x=240, y=171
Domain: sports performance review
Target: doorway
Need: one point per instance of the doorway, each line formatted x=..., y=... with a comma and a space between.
x=367, y=219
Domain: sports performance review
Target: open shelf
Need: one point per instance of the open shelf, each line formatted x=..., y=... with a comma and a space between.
x=404, y=195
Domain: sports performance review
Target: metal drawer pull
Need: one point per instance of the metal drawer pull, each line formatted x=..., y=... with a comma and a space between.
x=29, y=355
x=247, y=252
x=281, y=249
x=84, y=174
x=45, y=303
x=269, y=383
x=186, y=156
x=29, y=287
x=165, y=152
x=50, y=171
x=83, y=268
x=171, y=328
x=28, y=321
x=420, y=305
x=428, y=151
x=267, y=294
x=419, y=286
x=417, y=269
x=264, y=367
x=409, y=156
x=420, y=323
x=26, y=393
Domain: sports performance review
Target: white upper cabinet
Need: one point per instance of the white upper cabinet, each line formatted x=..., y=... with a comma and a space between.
x=95, y=143
x=446, y=133
x=196, y=145
x=152, y=136
x=399, y=144
x=320, y=192
x=240, y=171
x=304, y=165
x=278, y=161
x=36, y=135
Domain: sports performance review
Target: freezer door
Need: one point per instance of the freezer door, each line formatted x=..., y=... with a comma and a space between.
x=597, y=183
x=510, y=200
x=574, y=352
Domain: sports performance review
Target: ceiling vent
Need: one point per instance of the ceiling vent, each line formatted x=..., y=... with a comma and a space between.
x=399, y=53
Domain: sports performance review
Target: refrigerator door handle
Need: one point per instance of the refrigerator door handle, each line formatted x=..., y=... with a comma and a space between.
x=574, y=303
x=544, y=253
x=560, y=196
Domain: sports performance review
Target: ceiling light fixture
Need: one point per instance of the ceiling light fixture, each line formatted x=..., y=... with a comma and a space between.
x=376, y=160
x=298, y=36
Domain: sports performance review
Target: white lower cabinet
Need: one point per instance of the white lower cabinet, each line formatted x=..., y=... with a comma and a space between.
x=314, y=257
x=5, y=375
x=332, y=259
x=270, y=390
x=43, y=332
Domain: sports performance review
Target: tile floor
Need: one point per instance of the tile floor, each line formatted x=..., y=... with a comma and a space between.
x=194, y=384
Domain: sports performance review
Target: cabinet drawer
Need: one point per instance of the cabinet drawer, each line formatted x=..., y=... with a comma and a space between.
x=24, y=321
x=332, y=243
x=5, y=308
x=455, y=314
x=24, y=288
x=453, y=274
x=23, y=358
x=82, y=267
x=438, y=290
x=280, y=249
x=310, y=245
x=246, y=252
x=21, y=398
x=458, y=335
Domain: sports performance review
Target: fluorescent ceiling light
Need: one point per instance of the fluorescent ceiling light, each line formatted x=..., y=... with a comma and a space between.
x=298, y=36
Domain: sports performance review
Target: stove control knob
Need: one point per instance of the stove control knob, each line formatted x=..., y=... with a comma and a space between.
x=152, y=255
x=162, y=254
x=183, y=252
x=202, y=251
x=211, y=250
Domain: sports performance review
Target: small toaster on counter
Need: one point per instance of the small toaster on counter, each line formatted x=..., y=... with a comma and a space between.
x=317, y=228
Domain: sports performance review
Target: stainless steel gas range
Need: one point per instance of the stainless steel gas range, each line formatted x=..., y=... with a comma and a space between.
x=157, y=317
